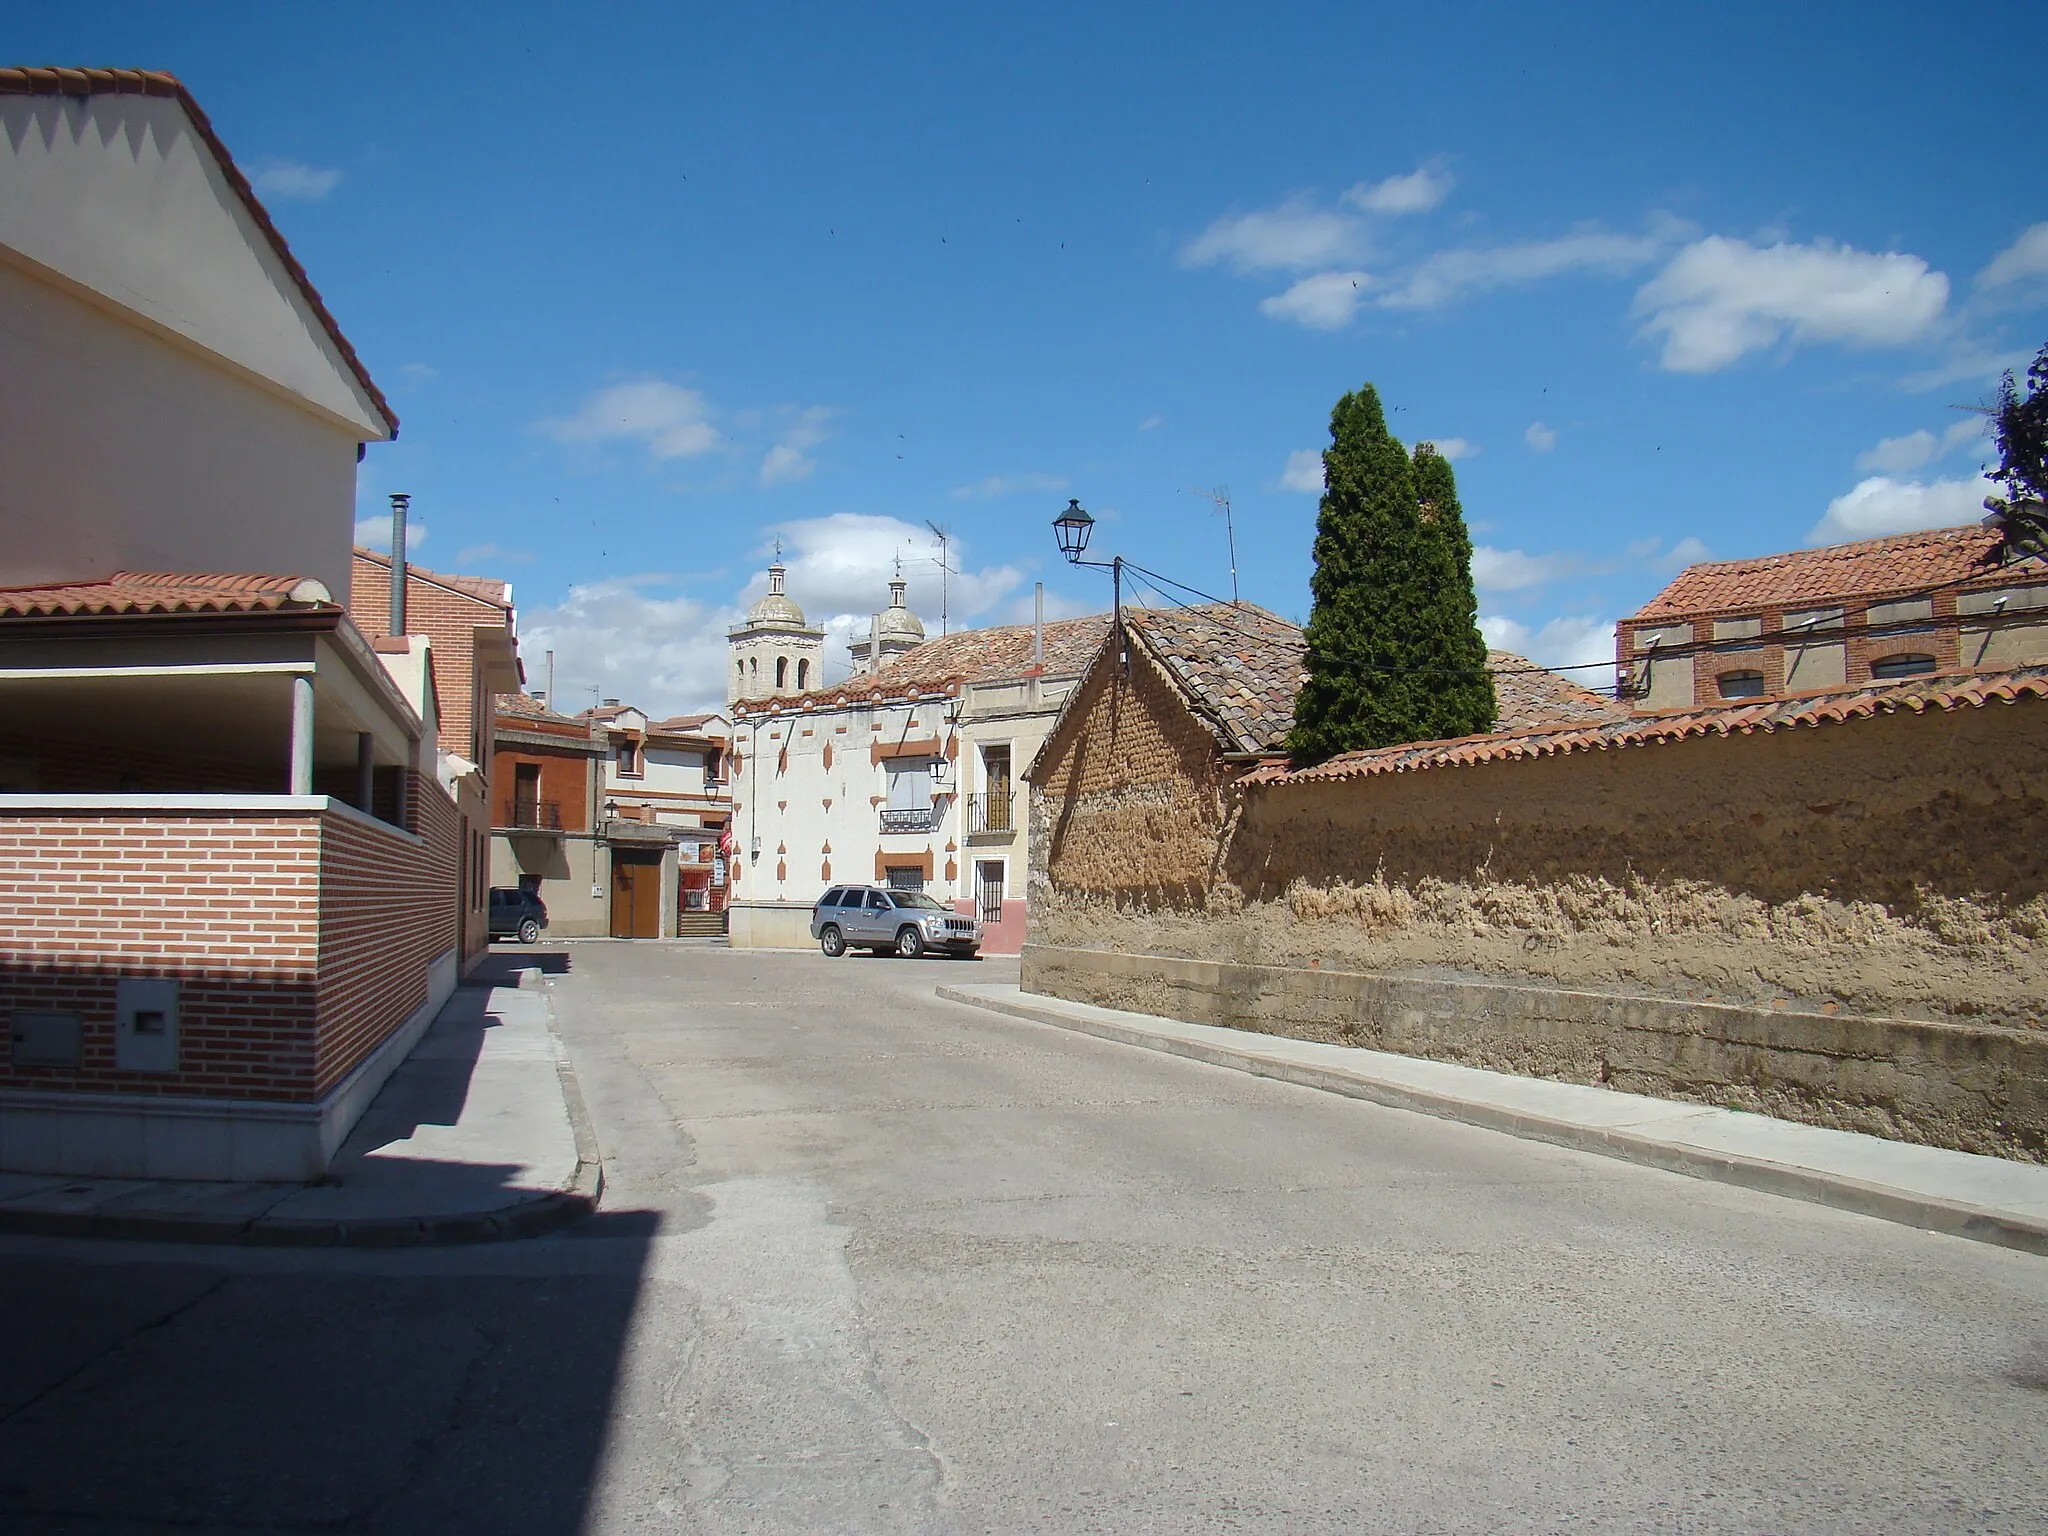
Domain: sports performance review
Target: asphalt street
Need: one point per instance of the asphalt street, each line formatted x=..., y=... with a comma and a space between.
x=873, y=1262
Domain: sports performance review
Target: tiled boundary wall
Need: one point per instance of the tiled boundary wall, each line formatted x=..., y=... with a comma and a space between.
x=303, y=934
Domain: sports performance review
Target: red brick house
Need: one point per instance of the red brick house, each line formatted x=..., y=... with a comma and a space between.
x=545, y=793
x=1837, y=617
x=233, y=889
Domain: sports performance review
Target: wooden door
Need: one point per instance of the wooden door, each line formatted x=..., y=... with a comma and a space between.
x=636, y=894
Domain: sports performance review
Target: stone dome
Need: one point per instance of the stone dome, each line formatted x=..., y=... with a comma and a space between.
x=897, y=622
x=776, y=607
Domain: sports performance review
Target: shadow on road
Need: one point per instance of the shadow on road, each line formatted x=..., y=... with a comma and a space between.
x=443, y=1391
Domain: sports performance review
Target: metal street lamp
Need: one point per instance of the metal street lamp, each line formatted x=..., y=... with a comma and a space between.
x=1072, y=527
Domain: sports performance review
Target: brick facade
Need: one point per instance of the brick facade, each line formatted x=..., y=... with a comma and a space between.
x=446, y=615
x=301, y=939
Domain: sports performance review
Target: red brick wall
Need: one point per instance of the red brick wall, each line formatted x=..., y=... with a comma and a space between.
x=388, y=909
x=227, y=904
x=446, y=618
x=300, y=940
x=87, y=768
x=564, y=779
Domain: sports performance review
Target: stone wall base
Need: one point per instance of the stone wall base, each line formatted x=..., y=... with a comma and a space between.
x=1974, y=1088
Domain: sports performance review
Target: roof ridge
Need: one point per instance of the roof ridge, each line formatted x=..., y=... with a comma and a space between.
x=57, y=80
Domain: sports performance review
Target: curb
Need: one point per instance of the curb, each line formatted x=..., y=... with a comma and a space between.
x=551, y=1212
x=1887, y=1203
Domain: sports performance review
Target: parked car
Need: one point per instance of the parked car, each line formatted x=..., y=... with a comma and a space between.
x=907, y=923
x=517, y=914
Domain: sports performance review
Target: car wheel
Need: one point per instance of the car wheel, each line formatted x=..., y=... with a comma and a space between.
x=832, y=941
x=909, y=942
x=529, y=932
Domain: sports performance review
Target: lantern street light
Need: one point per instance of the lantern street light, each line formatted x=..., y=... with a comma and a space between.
x=1072, y=528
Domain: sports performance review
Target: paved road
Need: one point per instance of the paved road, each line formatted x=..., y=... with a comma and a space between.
x=875, y=1263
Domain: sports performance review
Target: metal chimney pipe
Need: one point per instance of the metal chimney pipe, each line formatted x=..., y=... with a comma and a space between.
x=549, y=696
x=399, y=502
x=1038, y=624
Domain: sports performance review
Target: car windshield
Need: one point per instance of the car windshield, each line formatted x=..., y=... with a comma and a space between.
x=916, y=899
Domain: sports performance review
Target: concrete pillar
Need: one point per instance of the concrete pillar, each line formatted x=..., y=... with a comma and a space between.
x=366, y=770
x=302, y=735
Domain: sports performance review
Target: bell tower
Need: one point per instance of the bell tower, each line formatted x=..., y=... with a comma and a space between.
x=775, y=653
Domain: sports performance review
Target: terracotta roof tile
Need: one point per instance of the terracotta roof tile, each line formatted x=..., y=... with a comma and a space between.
x=1240, y=667
x=1530, y=695
x=1837, y=573
x=1950, y=691
x=485, y=589
x=151, y=82
x=524, y=707
x=145, y=593
x=949, y=662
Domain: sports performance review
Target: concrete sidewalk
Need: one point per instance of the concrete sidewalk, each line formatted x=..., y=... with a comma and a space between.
x=1989, y=1199
x=479, y=1135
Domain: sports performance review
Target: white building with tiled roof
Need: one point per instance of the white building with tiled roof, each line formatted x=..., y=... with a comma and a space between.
x=904, y=774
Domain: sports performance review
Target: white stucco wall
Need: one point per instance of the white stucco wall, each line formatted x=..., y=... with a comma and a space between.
x=120, y=195
x=124, y=452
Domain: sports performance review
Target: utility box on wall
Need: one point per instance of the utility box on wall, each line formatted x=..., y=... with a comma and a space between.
x=44, y=1039
x=146, y=1024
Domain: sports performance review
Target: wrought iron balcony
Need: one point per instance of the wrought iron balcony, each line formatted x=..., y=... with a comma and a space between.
x=921, y=818
x=990, y=811
x=540, y=815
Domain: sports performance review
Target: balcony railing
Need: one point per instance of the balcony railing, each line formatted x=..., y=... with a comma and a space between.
x=543, y=815
x=921, y=818
x=990, y=812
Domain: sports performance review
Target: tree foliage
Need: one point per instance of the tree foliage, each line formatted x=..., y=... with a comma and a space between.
x=1394, y=651
x=2020, y=424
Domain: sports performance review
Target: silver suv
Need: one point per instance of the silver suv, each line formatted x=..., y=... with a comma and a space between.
x=909, y=923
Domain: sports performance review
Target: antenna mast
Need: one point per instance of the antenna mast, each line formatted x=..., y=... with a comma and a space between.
x=945, y=569
x=1220, y=495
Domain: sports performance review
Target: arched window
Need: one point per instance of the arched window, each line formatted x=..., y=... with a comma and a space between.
x=741, y=668
x=803, y=675
x=782, y=671
x=1740, y=685
x=1905, y=664
x=754, y=662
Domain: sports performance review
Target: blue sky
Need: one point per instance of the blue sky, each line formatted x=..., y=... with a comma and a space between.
x=652, y=286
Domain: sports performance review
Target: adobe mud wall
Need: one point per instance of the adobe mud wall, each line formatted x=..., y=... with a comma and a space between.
x=1977, y=1088
x=1130, y=804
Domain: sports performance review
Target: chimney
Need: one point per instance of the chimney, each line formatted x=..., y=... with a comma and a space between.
x=399, y=502
x=549, y=696
x=1038, y=626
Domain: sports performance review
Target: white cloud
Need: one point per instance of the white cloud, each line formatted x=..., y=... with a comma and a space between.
x=375, y=533
x=1449, y=275
x=669, y=419
x=1540, y=437
x=1687, y=551
x=292, y=181
x=2021, y=265
x=1964, y=368
x=1150, y=422
x=1324, y=302
x=1881, y=505
x=1896, y=455
x=613, y=639
x=1417, y=192
x=1304, y=472
x=994, y=486
x=1453, y=448
x=783, y=465
x=1295, y=235
x=1512, y=570
x=840, y=565
x=1580, y=642
x=418, y=373
x=1720, y=299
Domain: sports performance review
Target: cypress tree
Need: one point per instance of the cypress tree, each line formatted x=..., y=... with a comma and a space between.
x=1392, y=641
x=1463, y=699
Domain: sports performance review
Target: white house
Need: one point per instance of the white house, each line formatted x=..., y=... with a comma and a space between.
x=900, y=775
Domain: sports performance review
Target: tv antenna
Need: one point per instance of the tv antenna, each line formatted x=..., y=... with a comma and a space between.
x=944, y=536
x=1220, y=495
